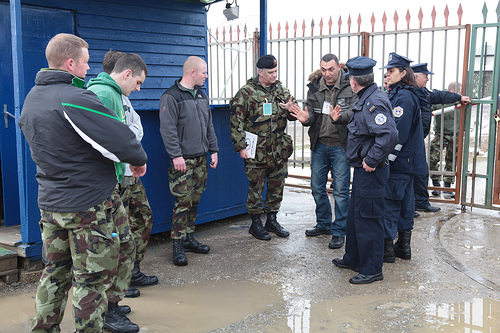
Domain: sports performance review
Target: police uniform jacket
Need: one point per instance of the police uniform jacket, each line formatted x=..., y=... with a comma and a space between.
x=372, y=129
x=409, y=155
x=425, y=110
x=344, y=97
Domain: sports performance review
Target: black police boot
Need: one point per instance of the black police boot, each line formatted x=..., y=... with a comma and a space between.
x=436, y=183
x=257, y=230
x=117, y=322
x=139, y=279
x=272, y=225
x=389, y=251
x=180, y=258
x=402, y=247
x=192, y=245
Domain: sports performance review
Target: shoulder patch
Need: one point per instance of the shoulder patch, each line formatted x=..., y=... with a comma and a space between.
x=369, y=105
x=397, y=111
x=380, y=119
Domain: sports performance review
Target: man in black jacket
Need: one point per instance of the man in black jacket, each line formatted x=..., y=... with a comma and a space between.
x=188, y=135
x=328, y=89
x=73, y=141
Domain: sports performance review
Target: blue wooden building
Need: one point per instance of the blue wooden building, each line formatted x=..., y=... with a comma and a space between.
x=164, y=33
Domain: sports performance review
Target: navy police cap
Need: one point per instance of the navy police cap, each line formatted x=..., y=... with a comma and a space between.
x=421, y=68
x=267, y=61
x=360, y=66
x=396, y=60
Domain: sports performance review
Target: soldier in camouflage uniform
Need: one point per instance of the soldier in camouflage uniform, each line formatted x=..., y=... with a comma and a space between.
x=133, y=193
x=449, y=131
x=72, y=137
x=188, y=135
x=127, y=75
x=262, y=107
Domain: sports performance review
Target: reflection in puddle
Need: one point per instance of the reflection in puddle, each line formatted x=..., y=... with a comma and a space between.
x=381, y=314
x=245, y=306
x=476, y=316
x=200, y=307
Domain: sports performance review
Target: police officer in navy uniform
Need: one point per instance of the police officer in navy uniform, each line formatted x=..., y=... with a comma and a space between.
x=372, y=137
x=407, y=161
x=421, y=182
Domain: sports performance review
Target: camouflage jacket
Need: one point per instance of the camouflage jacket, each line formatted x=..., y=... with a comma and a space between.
x=273, y=144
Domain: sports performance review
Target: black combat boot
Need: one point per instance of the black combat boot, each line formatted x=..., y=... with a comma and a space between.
x=448, y=194
x=124, y=309
x=192, y=245
x=402, y=247
x=132, y=292
x=257, y=230
x=272, y=225
x=139, y=279
x=117, y=322
x=180, y=258
x=436, y=183
x=389, y=251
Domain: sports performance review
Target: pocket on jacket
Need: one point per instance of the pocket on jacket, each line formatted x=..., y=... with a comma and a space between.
x=285, y=148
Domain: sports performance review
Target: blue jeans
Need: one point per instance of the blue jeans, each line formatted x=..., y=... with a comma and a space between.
x=323, y=159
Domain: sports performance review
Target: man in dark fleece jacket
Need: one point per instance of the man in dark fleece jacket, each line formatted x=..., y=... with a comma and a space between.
x=188, y=135
x=72, y=137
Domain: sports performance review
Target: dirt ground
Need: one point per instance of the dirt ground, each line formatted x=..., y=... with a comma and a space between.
x=452, y=283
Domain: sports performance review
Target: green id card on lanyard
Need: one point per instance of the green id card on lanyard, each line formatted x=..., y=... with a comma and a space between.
x=268, y=109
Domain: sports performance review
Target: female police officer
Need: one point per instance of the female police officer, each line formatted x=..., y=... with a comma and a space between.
x=406, y=161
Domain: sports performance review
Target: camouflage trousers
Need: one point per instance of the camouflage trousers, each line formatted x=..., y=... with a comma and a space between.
x=187, y=187
x=435, y=156
x=79, y=249
x=123, y=274
x=275, y=176
x=140, y=215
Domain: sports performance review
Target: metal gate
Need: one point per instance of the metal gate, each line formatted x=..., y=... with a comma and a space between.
x=481, y=170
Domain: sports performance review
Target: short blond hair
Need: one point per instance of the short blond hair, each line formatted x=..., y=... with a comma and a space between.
x=63, y=47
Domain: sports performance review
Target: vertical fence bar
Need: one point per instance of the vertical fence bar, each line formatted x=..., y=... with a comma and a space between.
x=465, y=109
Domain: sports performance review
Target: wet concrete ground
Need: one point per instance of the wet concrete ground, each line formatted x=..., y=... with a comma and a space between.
x=452, y=283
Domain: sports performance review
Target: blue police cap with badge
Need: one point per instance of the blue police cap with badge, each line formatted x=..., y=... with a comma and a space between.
x=396, y=60
x=421, y=68
x=360, y=66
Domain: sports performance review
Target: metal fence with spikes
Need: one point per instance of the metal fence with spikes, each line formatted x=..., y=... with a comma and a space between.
x=299, y=47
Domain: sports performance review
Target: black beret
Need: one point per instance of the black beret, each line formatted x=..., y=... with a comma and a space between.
x=267, y=61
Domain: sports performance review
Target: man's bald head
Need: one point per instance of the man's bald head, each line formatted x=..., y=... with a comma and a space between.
x=194, y=72
x=191, y=63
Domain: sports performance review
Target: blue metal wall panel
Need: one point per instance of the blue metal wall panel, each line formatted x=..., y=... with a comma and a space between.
x=164, y=33
x=227, y=185
x=38, y=25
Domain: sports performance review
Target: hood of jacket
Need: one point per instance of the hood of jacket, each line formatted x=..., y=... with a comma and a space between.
x=105, y=79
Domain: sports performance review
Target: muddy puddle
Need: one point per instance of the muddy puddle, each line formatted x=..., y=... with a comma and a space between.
x=380, y=314
x=245, y=306
x=200, y=307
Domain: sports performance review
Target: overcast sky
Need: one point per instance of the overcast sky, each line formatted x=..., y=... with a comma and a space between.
x=291, y=10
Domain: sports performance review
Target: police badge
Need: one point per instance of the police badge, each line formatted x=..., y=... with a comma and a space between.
x=397, y=112
x=380, y=119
